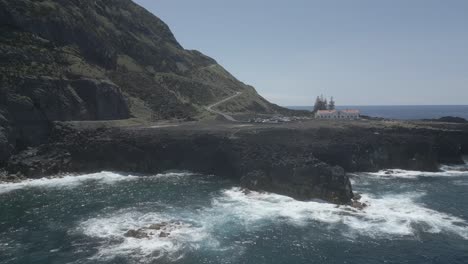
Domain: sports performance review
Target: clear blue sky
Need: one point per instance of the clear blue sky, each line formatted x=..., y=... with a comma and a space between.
x=361, y=51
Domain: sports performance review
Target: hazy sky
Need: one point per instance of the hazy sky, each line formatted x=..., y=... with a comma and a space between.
x=361, y=51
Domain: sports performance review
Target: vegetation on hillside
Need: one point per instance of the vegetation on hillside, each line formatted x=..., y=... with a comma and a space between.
x=321, y=103
x=121, y=42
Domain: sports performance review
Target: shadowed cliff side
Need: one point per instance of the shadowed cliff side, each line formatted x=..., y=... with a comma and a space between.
x=304, y=160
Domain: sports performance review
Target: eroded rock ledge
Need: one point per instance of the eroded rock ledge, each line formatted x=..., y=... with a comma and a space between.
x=303, y=160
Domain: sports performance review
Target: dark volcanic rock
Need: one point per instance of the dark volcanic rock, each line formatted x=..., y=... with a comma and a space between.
x=157, y=226
x=302, y=179
x=358, y=205
x=84, y=60
x=164, y=234
x=120, y=41
x=6, y=138
x=38, y=162
x=138, y=233
x=103, y=99
x=286, y=161
x=35, y=103
x=80, y=99
x=449, y=119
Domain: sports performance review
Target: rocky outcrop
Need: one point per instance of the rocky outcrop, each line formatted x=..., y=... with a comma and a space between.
x=302, y=179
x=34, y=103
x=36, y=88
x=449, y=119
x=297, y=159
x=38, y=162
x=273, y=168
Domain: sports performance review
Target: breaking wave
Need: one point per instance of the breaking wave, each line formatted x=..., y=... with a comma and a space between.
x=72, y=181
x=234, y=211
x=445, y=171
x=398, y=215
x=231, y=219
x=185, y=236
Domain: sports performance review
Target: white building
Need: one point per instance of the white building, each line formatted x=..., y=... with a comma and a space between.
x=337, y=114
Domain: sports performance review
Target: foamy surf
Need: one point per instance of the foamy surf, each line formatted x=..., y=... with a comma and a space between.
x=445, y=171
x=184, y=237
x=73, y=181
x=397, y=215
x=390, y=216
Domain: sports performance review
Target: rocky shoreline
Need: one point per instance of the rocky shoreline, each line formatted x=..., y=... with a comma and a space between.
x=63, y=91
x=304, y=160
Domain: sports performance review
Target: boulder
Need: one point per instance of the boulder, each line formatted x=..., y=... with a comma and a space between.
x=358, y=205
x=164, y=234
x=357, y=197
x=158, y=226
x=136, y=233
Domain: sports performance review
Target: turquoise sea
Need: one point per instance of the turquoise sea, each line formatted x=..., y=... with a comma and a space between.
x=412, y=217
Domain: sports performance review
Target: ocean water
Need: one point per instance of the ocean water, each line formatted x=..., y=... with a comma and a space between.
x=412, y=217
x=406, y=111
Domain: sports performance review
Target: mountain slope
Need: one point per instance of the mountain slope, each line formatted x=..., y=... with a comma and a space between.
x=66, y=60
x=120, y=41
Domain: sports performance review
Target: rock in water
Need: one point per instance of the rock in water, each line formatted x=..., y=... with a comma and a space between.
x=139, y=233
x=357, y=197
x=164, y=234
x=303, y=180
x=358, y=205
x=157, y=226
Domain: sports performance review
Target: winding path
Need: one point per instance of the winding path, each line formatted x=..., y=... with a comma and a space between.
x=228, y=117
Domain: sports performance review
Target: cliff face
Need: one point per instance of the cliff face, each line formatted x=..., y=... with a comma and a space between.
x=303, y=160
x=97, y=60
x=122, y=42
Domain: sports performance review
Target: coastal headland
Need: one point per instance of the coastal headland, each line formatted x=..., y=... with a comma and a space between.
x=86, y=86
x=305, y=159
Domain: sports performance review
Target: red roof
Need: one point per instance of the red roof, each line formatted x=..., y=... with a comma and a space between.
x=348, y=111
x=351, y=111
x=326, y=111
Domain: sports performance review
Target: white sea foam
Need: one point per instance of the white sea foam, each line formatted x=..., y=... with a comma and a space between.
x=183, y=237
x=233, y=211
x=398, y=215
x=445, y=171
x=454, y=168
x=72, y=181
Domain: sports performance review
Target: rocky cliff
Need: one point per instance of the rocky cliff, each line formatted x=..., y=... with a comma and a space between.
x=119, y=41
x=98, y=60
x=304, y=160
